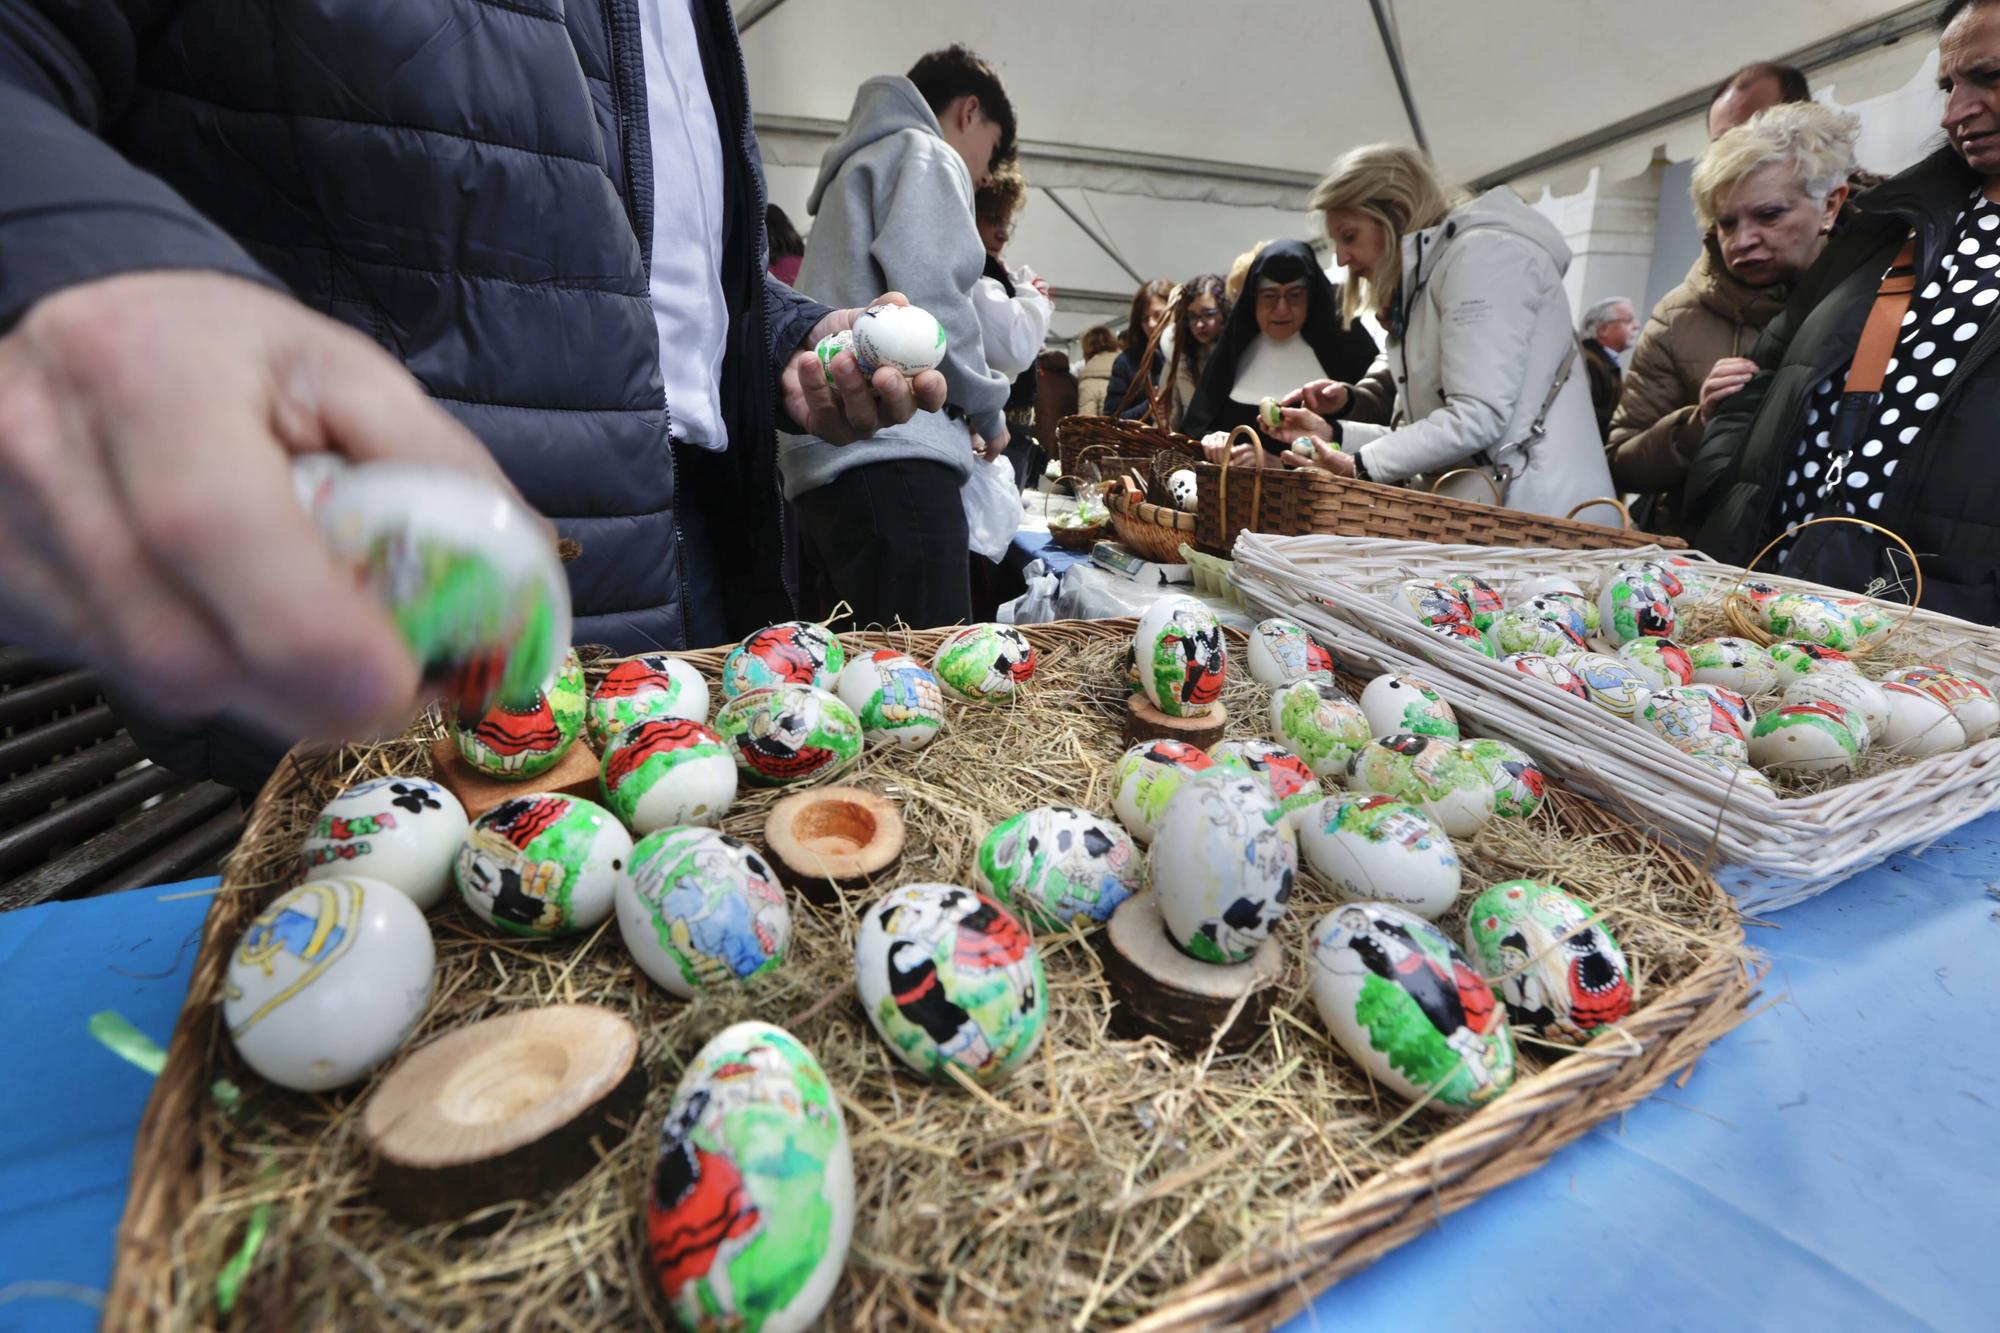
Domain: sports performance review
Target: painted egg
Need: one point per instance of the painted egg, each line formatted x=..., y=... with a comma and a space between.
x=543, y=864
x=1147, y=777
x=982, y=662
x=1376, y=847
x=1871, y=619
x=1807, y=738
x=1694, y=721
x=831, y=346
x=1404, y=704
x=1288, y=778
x=1319, y=724
x=950, y=977
x=1541, y=585
x=1436, y=603
x=1697, y=580
x=1737, y=778
x=1735, y=664
x=751, y=1203
x=1969, y=698
x=1577, y=614
x=1281, y=652
x=700, y=910
x=1612, y=683
x=1542, y=667
x=402, y=831
x=1809, y=619
x=1061, y=866
x=1920, y=723
x=1661, y=661
x=789, y=734
x=328, y=982
x=1517, y=780
x=1481, y=597
x=667, y=772
x=1654, y=572
x=1731, y=703
x=902, y=337
x=1793, y=659
x=1465, y=636
x=1522, y=629
x=1426, y=771
x=466, y=572
x=1406, y=1006
x=1182, y=661
x=1555, y=963
x=521, y=738
x=1855, y=692
x=1222, y=866
x=794, y=652
x=895, y=697
x=1181, y=484
x=642, y=689
x=1631, y=608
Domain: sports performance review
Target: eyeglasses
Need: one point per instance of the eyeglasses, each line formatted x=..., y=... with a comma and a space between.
x=1282, y=296
x=1203, y=316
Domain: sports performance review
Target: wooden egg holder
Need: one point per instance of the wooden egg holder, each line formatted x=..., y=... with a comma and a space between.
x=831, y=839
x=575, y=774
x=1159, y=991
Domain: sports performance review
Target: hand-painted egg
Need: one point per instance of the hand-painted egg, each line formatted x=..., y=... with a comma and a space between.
x=1428, y=772
x=667, y=772
x=950, y=977
x=794, y=652
x=328, y=981
x=1655, y=572
x=831, y=346
x=520, y=738
x=1807, y=738
x=1403, y=704
x=1732, y=703
x=1379, y=848
x=467, y=573
x=1182, y=486
x=1697, y=580
x=1736, y=778
x=1854, y=692
x=751, y=1203
x=1464, y=635
x=902, y=337
x=789, y=734
x=1517, y=780
x=1577, y=614
x=1553, y=961
x=1222, y=866
x=1612, y=683
x=1872, y=620
x=1631, y=607
x=1270, y=413
x=1542, y=667
x=1920, y=723
x=1147, y=777
x=982, y=662
x=895, y=697
x=1541, y=585
x=1735, y=664
x=1436, y=603
x=1523, y=629
x=1320, y=724
x=700, y=910
x=1481, y=597
x=543, y=864
x=402, y=831
x=1694, y=721
x=1970, y=699
x=1060, y=866
x=1406, y=1006
x=1793, y=659
x=642, y=689
x=1661, y=661
x=1288, y=778
x=1281, y=652
x=1182, y=661
x=1808, y=619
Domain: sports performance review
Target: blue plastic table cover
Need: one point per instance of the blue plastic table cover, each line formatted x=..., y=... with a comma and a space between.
x=1833, y=1164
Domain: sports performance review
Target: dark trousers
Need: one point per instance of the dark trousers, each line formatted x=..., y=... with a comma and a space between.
x=889, y=539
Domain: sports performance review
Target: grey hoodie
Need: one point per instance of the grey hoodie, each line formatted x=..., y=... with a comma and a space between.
x=892, y=211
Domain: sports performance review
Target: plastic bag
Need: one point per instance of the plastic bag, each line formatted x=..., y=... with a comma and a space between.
x=992, y=507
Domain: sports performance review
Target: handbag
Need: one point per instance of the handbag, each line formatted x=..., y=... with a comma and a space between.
x=1498, y=471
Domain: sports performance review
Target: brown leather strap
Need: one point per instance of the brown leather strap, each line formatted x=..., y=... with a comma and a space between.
x=1885, y=322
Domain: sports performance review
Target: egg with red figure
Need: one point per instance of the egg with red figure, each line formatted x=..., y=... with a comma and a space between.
x=1542, y=667
x=1181, y=656
x=793, y=652
x=641, y=689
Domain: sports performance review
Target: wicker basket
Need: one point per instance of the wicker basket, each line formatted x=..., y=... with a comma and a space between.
x=1075, y=538
x=1076, y=437
x=1154, y=532
x=1779, y=852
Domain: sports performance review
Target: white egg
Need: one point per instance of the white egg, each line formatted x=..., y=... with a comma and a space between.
x=1694, y=721
x=1526, y=629
x=1661, y=661
x=1222, y=866
x=1182, y=486
x=895, y=697
x=701, y=911
x=900, y=336
x=643, y=688
x=1548, y=670
x=1810, y=738
x=1182, y=660
x=543, y=864
x=1376, y=847
x=1969, y=698
x=1403, y=704
x=1281, y=651
x=1519, y=785
x=328, y=982
x=1920, y=723
x=1735, y=664
x=1320, y=724
x=1737, y=777
x=402, y=831
x=1429, y=772
x=666, y=772
x=1147, y=777
x=1854, y=692
x=1541, y=585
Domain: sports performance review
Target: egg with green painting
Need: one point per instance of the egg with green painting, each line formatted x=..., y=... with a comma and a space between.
x=897, y=701
x=1555, y=964
x=1395, y=704
x=1316, y=721
x=788, y=734
x=1518, y=783
x=1735, y=664
x=1281, y=651
x=1524, y=629
x=702, y=911
x=1429, y=772
x=1481, y=597
x=521, y=738
x=1146, y=778
x=543, y=864
x=1060, y=866
x=1288, y=778
x=1222, y=866
x=641, y=689
x=1376, y=848
x=665, y=772
x=1807, y=738
x=1631, y=606
x=1662, y=662
x=1181, y=657
x=984, y=663
x=793, y=652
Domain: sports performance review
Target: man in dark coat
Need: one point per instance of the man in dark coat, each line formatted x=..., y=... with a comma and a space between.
x=1607, y=332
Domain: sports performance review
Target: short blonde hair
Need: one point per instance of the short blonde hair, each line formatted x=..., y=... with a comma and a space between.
x=1239, y=272
x=1396, y=187
x=1814, y=140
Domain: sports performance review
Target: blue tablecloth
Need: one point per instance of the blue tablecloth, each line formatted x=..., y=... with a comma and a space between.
x=1835, y=1164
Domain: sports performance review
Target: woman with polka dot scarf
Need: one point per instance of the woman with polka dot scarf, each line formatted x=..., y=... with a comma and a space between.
x=1923, y=457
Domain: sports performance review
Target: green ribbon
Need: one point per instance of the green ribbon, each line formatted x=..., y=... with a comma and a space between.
x=229, y=1282
x=127, y=1042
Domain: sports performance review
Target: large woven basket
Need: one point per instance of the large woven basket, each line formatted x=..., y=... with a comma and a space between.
x=1779, y=852
x=1076, y=437
x=1455, y=1164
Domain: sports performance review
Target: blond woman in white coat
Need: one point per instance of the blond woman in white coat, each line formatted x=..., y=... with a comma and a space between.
x=1480, y=370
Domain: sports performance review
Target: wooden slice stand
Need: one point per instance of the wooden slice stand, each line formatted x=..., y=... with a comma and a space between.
x=1158, y=991
x=1145, y=722
x=512, y=1108
x=832, y=839
x=575, y=774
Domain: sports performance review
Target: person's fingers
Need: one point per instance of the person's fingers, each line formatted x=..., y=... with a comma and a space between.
x=894, y=403
x=346, y=394
x=856, y=395
x=928, y=388
x=815, y=408
x=890, y=298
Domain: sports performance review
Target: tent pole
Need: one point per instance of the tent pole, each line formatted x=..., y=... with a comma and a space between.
x=1085, y=228
x=1385, y=23
x=750, y=14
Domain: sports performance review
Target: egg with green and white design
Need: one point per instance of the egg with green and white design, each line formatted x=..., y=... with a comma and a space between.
x=1281, y=651
x=1794, y=658
x=1735, y=664
x=1578, y=614
x=1060, y=866
x=665, y=772
x=517, y=739
x=789, y=734
x=1518, y=783
x=1808, y=619
x=1612, y=683
x=1435, y=603
x=1553, y=961
x=1629, y=607
x=1549, y=671
x=1694, y=721
x=543, y=864
x=1316, y=721
x=1396, y=704
x=984, y=663
x=1181, y=656
x=1856, y=693
x=902, y=337
x=1808, y=738
x=1481, y=597
x=1662, y=662
x=793, y=652
x=701, y=911
x=1380, y=848
x=1464, y=635
x=1523, y=629
x=1429, y=772
x=896, y=699
x=642, y=689
x=1146, y=778
x=1222, y=865
x=1288, y=778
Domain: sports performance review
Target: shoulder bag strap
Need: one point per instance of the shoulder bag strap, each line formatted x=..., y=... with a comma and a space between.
x=1537, y=428
x=1862, y=394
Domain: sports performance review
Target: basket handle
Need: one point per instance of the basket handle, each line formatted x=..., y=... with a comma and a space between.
x=1082, y=488
x=1142, y=379
x=1256, y=482
x=1612, y=500
x=1739, y=619
x=1492, y=485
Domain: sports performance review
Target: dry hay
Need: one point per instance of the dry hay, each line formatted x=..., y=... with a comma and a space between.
x=1081, y=1192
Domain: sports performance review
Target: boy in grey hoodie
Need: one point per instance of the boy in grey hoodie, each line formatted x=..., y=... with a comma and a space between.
x=883, y=522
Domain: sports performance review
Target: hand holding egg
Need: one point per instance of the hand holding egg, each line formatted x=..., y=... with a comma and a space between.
x=885, y=374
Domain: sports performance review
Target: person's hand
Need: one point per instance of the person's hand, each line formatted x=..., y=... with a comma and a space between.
x=1215, y=445
x=1326, y=397
x=148, y=524
x=853, y=407
x=1727, y=376
x=988, y=450
x=1041, y=285
x=1326, y=457
x=1296, y=423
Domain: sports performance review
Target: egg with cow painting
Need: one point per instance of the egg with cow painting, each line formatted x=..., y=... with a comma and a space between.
x=1379, y=848
x=543, y=864
x=788, y=734
x=1661, y=661
x=1920, y=723
x=1288, y=778
x=1281, y=651
x=1807, y=738
x=1552, y=959
x=665, y=772
x=1481, y=598
x=1549, y=671
x=1222, y=866
x=1517, y=780
x=897, y=701
x=1735, y=664
x=1612, y=683
x=701, y=911
x=1429, y=772
x=520, y=738
x=641, y=689
x=1396, y=704
x=1181, y=657
x=984, y=663
x=1060, y=866
x=1317, y=722
x=403, y=831
x=1969, y=698
x=793, y=652
x=1146, y=778
x=1854, y=692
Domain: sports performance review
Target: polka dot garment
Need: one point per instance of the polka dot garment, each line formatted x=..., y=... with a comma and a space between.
x=1945, y=315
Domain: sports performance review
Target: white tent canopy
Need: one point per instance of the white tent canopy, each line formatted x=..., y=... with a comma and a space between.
x=1180, y=133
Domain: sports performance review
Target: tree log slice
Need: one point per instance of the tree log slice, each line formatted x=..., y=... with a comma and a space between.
x=831, y=839
x=1145, y=722
x=575, y=774
x=1158, y=991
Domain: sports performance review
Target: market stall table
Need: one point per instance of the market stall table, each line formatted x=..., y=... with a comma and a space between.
x=1831, y=1164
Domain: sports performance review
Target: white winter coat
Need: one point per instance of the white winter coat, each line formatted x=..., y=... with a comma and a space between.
x=1487, y=328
